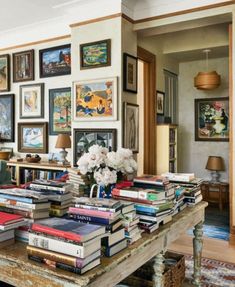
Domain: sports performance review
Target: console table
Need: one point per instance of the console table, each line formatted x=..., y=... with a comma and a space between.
x=17, y=270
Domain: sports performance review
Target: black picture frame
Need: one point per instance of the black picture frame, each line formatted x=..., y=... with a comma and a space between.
x=23, y=66
x=62, y=61
x=160, y=103
x=7, y=118
x=59, y=92
x=93, y=134
x=5, y=73
x=130, y=72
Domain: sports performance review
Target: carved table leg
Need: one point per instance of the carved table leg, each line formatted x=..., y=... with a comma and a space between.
x=158, y=267
x=197, y=253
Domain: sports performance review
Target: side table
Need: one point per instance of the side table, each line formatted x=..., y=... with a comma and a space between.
x=221, y=188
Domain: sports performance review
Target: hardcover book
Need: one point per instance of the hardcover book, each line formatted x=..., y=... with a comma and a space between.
x=6, y=218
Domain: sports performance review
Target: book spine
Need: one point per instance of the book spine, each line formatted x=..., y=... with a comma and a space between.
x=125, y=193
x=90, y=212
x=41, y=189
x=85, y=218
x=56, y=245
x=17, y=203
x=47, y=187
x=16, y=198
x=83, y=206
x=56, y=232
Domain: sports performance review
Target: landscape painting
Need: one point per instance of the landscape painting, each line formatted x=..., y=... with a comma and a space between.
x=7, y=118
x=4, y=73
x=95, y=54
x=95, y=100
x=60, y=111
x=55, y=61
x=32, y=137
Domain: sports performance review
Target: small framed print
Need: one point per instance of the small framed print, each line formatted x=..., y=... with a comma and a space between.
x=32, y=101
x=131, y=127
x=160, y=103
x=55, y=61
x=7, y=122
x=130, y=68
x=32, y=137
x=95, y=54
x=23, y=66
x=4, y=73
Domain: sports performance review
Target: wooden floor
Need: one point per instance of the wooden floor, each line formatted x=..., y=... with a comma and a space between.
x=212, y=248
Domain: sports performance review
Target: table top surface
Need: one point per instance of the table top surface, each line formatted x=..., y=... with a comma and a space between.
x=206, y=182
x=185, y=219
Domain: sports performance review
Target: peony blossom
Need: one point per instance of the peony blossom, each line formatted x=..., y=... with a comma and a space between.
x=105, y=176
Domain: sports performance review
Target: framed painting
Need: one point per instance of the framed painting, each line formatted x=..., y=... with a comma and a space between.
x=7, y=122
x=130, y=70
x=60, y=111
x=55, y=61
x=4, y=73
x=95, y=100
x=131, y=127
x=84, y=138
x=212, y=119
x=23, y=66
x=32, y=137
x=32, y=101
x=95, y=54
x=160, y=103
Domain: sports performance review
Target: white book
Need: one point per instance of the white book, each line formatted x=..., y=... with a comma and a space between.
x=6, y=235
x=6, y=202
x=13, y=225
x=67, y=248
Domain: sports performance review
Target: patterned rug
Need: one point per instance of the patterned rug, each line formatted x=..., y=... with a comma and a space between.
x=214, y=273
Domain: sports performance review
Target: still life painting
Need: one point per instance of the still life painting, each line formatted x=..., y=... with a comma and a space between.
x=7, y=118
x=212, y=119
x=95, y=100
x=32, y=101
x=4, y=73
x=95, y=54
x=55, y=61
x=60, y=110
x=32, y=137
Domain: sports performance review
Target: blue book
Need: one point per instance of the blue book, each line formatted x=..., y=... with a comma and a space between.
x=22, y=199
x=91, y=219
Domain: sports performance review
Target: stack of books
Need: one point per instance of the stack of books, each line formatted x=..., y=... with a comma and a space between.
x=66, y=244
x=58, y=194
x=105, y=212
x=8, y=224
x=80, y=182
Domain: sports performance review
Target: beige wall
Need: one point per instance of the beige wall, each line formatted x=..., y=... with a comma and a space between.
x=193, y=155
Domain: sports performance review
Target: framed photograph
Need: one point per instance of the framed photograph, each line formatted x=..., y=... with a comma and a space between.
x=32, y=101
x=130, y=69
x=7, y=120
x=95, y=100
x=55, y=61
x=131, y=127
x=32, y=137
x=60, y=111
x=4, y=73
x=84, y=138
x=212, y=119
x=160, y=103
x=95, y=54
x=23, y=66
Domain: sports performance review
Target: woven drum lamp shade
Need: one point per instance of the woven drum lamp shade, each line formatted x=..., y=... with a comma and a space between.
x=215, y=163
x=207, y=80
x=63, y=141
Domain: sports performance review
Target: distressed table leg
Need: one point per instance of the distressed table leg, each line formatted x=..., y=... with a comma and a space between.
x=197, y=253
x=158, y=267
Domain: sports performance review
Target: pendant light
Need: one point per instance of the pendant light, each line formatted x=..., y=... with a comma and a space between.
x=207, y=80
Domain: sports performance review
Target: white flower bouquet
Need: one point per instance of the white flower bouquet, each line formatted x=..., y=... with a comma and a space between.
x=105, y=166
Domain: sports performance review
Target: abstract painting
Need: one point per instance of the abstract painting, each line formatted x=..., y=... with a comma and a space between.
x=32, y=101
x=212, y=119
x=7, y=111
x=23, y=66
x=130, y=68
x=32, y=137
x=131, y=127
x=95, y=54
x=84, y=138
x=60, y=111
x=95, y=100
x=4, y=73
x=55, y=61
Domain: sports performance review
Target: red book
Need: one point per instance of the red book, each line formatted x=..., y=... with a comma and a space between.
x=9, y=218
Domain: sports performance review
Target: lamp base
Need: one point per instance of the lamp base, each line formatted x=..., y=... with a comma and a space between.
x=215, y=176
x=63, y=154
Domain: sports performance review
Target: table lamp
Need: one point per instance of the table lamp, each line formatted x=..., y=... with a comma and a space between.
x=63, y=141
x=215, y=164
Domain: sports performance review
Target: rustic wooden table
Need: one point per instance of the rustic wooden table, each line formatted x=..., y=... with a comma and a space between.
x=16, y=269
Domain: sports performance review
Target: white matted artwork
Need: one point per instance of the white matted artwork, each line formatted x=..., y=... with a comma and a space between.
x=131, y=127
x=95, y=100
